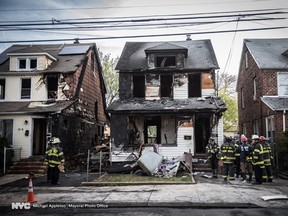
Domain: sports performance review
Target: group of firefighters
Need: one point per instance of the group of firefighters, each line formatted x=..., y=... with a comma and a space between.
x=243, y=158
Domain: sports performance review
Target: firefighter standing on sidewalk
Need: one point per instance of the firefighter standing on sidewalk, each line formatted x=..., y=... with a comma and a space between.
x=257, y=159
x=212, y=149
x=267, y=158
x=228, y=157
x=245, y=151
x=55, y=158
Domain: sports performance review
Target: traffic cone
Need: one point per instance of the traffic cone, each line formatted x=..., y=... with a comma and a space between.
x=30, y=198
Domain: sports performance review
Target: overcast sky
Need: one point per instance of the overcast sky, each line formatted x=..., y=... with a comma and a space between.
x=35, y=10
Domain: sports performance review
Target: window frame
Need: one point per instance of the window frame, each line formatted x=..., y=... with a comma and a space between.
x=21, y=89
x=2, y=89
x=279, y=80
x=28, y=63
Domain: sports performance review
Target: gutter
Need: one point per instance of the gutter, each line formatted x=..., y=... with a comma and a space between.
x=284, y=122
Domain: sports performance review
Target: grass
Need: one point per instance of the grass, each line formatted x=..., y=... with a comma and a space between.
x=132, y=178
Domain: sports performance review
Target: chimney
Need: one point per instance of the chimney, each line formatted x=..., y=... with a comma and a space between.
x=188, y=37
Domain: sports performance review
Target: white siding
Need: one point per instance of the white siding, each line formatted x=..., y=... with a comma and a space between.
x=220, y=138
x=208, y=92
x=19, y=138
x=42, y=62
x=181, y=92
x=13, y=88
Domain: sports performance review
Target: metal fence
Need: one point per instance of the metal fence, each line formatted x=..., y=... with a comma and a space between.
x=97, y=159
x=10, y=155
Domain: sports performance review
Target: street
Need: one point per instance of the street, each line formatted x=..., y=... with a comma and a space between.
x=148, y=211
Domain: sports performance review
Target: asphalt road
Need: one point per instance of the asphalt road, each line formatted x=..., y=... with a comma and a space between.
x=147, y=212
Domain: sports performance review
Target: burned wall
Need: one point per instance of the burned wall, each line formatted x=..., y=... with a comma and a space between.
x=125, y=86
x=119, y=131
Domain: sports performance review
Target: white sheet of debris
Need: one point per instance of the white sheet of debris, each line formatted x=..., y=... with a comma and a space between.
x=274, y=197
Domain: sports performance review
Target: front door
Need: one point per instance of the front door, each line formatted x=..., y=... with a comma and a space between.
x=39, y=136
x=202, y=133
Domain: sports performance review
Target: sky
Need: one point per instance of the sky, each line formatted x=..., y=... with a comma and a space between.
x=227, y=46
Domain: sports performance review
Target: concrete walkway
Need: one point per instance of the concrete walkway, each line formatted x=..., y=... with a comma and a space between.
x=204, y=194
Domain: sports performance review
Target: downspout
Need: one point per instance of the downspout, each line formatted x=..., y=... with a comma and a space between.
x=284, y=122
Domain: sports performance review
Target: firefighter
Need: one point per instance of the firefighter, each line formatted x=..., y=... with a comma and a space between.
x=228, y=157
x=212, y=149
x=237, y=159
x=257, y=159
x=267, y=158
x=245, y=151
x=56, y=158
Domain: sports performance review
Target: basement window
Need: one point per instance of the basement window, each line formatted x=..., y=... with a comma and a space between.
x=166, y=61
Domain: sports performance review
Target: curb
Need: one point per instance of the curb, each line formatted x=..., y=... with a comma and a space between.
x=102, y=184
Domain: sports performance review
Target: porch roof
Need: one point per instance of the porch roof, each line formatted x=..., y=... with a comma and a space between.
x=33, y=107
x=276, y=103
x=168, y=105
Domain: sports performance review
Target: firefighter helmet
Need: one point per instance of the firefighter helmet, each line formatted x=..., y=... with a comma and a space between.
x=255, y=137
x=55, y=140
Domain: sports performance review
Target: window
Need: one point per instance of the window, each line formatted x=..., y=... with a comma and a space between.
x=255, y=127
x=165, y=61
x=246, y=59
x=27, y=63
x=6, y=129
x=242, y=98
x=26, y=89
x=52, y=86
x=166, y=82
x=2, y=89
x=282, y=81
x=139, y=86
x=194, y=88
x=152, y=130
x=254, y=88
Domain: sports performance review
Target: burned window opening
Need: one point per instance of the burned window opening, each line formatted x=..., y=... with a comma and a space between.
x=194, y=88
x=166, y=85
x=52, y=85
x=139, y=86
x=152, y=131
x=166, y=61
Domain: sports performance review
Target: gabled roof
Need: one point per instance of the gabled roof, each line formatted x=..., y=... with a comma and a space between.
x=200, y=54
x=63, y=62
x=276, y=103
x=269, y=53
x=168, y=105
x=166, y=48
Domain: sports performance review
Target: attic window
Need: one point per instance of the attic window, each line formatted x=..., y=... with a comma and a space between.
x=166, y=61
x=27, y=63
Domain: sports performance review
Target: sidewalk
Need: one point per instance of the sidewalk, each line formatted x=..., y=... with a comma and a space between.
x=204, y=194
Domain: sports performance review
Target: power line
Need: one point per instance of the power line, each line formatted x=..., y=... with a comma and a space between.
x=59, y=22
x=145, y=36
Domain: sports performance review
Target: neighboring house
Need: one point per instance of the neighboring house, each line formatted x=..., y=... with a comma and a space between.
x=166, y=97
x=263, y=88
x=54, y=89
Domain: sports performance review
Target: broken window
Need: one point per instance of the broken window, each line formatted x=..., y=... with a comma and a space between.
x=52, y=85
x=2, y=88
x=139, y=86
x=194, y=88
x=152, y=86
x=152, y=130
x=166, y=61
x=25, y=88
x=166, y=85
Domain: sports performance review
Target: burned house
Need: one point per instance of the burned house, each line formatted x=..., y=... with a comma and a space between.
x=51, y=90
x=167, y=97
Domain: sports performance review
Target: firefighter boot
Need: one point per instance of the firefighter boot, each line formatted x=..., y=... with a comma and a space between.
x=243, y=176
x=215, y=174
x=250, y=177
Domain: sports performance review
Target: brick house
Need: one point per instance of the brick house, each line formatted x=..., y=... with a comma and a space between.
x=262, y=87
x=52, y=90
x=166, y=97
